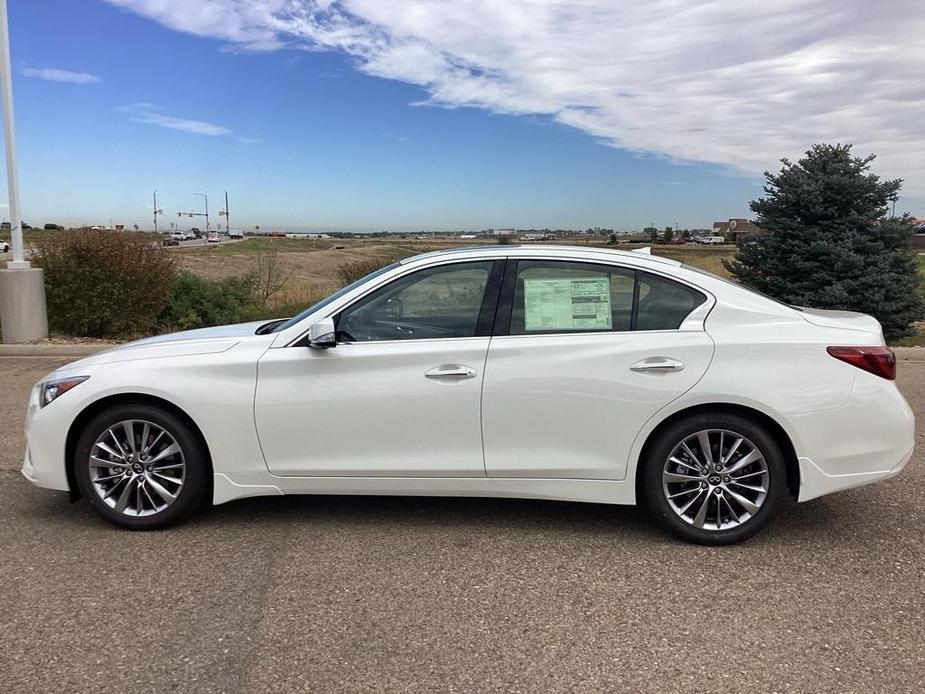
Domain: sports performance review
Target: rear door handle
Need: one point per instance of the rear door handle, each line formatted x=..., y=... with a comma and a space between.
x=657, y=365
x=451, y=372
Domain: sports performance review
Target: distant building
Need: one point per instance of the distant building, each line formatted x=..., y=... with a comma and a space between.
x=735, y=229
x=918, y=237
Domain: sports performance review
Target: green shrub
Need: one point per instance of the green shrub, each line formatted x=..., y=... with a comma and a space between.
x=198, y=303
x=108, y=284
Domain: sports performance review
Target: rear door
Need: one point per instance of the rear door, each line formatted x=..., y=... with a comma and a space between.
x=583, y=355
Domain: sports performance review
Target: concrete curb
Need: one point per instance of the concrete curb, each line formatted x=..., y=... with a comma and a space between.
x=45, y=349
x=916, y=354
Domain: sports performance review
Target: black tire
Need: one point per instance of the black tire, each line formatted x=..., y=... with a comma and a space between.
x=196, y=482
x=654, y=488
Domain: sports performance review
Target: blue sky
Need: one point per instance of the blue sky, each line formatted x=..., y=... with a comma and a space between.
x=305, y=133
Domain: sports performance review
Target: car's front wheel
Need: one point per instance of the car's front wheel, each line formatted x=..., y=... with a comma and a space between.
x=714, y=478
x=141, y=467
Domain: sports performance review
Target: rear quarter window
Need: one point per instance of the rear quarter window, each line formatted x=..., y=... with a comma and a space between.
x=663, y=304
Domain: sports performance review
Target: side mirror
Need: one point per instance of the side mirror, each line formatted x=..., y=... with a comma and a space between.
x=321, y=335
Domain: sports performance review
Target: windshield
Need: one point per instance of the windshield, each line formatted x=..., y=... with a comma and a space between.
x=701, y=271
x=336, y=295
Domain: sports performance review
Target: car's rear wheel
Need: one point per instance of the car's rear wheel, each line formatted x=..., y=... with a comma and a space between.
x=714, y=478
x=141, y=467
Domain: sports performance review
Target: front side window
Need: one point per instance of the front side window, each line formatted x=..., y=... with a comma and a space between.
x=333, y=297
x=438, y=302
x=569, y=297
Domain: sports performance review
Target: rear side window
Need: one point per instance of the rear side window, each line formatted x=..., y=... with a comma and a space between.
x=664, y=304
x=569, y=297
x=551, y=297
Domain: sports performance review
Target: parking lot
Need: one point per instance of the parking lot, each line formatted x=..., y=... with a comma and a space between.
x=405, y=594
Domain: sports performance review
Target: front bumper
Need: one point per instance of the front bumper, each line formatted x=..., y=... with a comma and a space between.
x=46, y=432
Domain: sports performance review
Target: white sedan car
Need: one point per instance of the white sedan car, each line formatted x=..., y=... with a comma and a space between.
x=541, y=372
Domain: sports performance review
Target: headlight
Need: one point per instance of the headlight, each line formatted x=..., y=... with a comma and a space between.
x=51, y=390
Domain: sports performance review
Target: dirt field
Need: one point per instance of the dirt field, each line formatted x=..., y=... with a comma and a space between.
x=315, y=263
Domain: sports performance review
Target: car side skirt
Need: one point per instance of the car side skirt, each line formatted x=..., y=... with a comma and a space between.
x=229, y=487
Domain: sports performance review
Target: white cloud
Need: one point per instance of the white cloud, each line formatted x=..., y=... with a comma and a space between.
x=52, y=74
x=150, y=114
x=736, y=83
x=196, y=127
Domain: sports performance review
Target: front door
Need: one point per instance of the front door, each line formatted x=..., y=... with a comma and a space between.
x=584, y=355
x=400, y=393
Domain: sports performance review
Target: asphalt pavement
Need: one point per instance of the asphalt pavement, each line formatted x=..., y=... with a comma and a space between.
x=327, y=594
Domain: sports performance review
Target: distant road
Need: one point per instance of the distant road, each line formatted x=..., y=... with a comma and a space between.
x=197, y=243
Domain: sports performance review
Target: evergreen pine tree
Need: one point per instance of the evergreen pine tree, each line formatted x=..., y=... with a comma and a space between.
x=826, y=241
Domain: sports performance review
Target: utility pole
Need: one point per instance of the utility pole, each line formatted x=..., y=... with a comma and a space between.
x=224, y=213
x=22, y=287
x=156, y=211
x=206, y=198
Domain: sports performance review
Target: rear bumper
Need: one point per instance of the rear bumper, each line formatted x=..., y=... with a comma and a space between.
x=815, y=483
x=870, y=438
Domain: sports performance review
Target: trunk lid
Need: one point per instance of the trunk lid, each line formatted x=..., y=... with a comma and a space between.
x=843, y=320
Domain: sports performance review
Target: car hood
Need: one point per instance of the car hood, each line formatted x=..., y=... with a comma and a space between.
x=200, y=341
x=844, y=320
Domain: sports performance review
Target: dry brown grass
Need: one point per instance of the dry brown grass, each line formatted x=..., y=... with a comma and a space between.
x=709, y=258
x=317, y=265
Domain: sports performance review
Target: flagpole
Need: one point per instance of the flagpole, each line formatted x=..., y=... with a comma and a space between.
x=6, y=88
x=22, y=287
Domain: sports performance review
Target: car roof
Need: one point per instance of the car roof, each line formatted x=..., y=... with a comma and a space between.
x=499, y=250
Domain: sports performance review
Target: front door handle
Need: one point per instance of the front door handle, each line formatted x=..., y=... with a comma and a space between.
x=657, y=365
x=451, y=372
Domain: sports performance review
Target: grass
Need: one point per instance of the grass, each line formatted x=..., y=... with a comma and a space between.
x=255, y=245
x=917, y=340
x=705, y=258
x=29, y=236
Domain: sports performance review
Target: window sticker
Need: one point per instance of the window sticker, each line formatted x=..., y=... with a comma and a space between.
x=567, y=304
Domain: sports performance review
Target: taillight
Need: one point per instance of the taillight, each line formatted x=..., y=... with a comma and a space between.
x=879, y=361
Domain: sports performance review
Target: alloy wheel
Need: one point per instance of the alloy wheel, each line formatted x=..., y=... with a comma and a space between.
x=137, y=468
x=715, y=479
